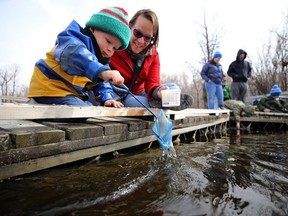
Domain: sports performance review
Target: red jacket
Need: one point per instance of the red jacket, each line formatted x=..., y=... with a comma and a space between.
x=149, y=76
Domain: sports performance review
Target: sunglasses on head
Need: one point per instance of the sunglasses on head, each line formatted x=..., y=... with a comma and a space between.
x=137, y=33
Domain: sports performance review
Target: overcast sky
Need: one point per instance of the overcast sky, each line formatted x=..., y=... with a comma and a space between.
x=29, y=28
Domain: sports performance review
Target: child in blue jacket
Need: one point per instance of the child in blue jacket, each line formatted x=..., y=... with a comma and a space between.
x=78, y=64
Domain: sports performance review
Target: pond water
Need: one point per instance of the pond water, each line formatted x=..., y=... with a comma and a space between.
x=233, y=175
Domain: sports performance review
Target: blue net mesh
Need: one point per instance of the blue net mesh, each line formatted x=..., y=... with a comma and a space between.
x=162, y=128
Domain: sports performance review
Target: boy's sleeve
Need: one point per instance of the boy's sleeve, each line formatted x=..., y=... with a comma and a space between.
x=77, y=60
x=262, y=104
x=103, y=91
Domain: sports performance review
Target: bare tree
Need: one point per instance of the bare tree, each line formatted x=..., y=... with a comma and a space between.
x=280, y=59
x=264, y=72
x=8, y=79
x=208, y=43
x=197, y=84
x=182, y=80
x=210, y=39
x=271, y=67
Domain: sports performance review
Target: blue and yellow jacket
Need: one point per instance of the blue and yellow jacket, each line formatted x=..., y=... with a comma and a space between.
x=70, y=68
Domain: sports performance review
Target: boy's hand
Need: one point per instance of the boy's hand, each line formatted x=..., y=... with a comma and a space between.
x=114, y=103
x=113, y=75
x=238, y=125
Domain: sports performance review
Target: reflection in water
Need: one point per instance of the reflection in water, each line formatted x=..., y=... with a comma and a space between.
x=237, y=175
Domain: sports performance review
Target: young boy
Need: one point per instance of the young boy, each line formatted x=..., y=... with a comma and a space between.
x=272, y=102
x=78, y=64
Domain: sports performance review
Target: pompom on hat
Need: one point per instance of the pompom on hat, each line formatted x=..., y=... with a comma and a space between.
x=112, y=20
x=275, y=91
x=217, y=54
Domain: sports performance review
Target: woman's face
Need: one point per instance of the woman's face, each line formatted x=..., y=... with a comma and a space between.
x=217, y=60
x=142, y=34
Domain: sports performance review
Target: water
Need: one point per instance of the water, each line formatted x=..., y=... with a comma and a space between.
x=237, y=175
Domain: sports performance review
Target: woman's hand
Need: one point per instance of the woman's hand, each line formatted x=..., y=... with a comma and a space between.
x=159, y=94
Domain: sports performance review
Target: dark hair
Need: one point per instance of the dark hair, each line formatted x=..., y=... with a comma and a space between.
x=150, y=15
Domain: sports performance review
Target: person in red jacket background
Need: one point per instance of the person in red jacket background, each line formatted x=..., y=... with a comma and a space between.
x=139, y=64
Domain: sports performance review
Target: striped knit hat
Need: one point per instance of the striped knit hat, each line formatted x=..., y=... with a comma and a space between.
x=112, y=20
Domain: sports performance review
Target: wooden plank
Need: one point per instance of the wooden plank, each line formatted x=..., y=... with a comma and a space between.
x=28, y=111
x=15, y=99
x=37, y=164
x=200, y=126
x=257, y=113
x=38, y=111
x=26, y=133
x=198, y=112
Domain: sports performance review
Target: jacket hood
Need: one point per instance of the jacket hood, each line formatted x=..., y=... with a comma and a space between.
x=241, y=51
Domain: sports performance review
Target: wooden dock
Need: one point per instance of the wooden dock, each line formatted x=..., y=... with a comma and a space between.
x=266, y=121
x=30, y=141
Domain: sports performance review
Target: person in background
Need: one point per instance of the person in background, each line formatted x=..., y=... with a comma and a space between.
x=240, y=70
x=239, y=110
x=226, y=90
x=79, y=62
x=256, y=100
x=272, y=102
x=139, y=64
x=213, y=75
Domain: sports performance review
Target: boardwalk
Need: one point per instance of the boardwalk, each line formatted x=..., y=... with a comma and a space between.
x=29, y=141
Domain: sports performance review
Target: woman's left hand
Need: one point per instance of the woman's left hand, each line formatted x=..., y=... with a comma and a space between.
x=159, y=94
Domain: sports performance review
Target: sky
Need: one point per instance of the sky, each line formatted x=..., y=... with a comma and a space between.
x=29, y=28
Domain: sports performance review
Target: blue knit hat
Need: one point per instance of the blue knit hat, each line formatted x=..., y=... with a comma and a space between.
x=217, y=54
x=275, y=91
x=112, y=20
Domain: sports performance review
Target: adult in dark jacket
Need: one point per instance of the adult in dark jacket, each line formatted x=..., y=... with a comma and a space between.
x=240, y=70
x=213, y=75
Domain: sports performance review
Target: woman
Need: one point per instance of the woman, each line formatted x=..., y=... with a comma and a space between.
x=139, y=64
x=213, y=75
